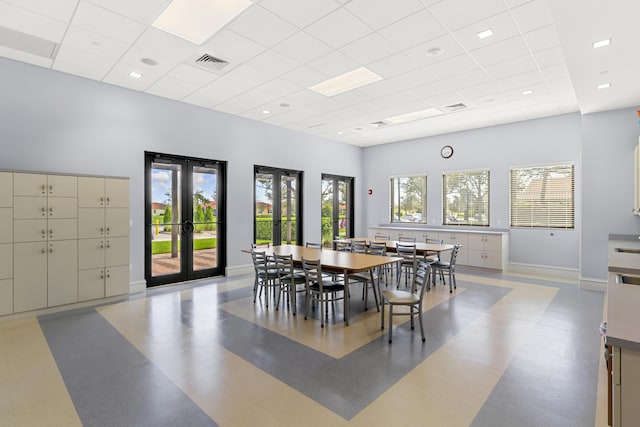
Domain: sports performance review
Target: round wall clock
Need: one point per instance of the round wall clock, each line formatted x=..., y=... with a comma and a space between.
x=446, y=151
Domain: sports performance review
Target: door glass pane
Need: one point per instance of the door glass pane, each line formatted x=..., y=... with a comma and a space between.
x=327, y=212
x=205, y=234
x=165, y=198
x=288, y=203
x=264, y=208
x=343, y=218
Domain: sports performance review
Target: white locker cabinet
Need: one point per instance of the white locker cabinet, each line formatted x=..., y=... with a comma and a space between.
x=485, y=250
x=6, y=219
x=62, y=272
x=103, y=192
x=29, y=276
x=116, y=280
x=6, y=296
x=6, y=261
x=91, y=223
x=6, y=190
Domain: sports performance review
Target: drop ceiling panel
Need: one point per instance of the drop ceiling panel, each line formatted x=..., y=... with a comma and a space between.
x=193, y=75
x=106, y=23
x=471, y=78
x=95, y=44
x=169, y=87
x=216, y=92
x=134, y=56
x=279, y=87
x=303, y=77
x=501, y=25
x=143, y=11
x=302, y=47
x=31, y=23
x=455, y=14
x=77, y=61
x=452, y=67
x=300, y=13
x=549, y=57
x=533, y=15
x=413, y=30
x=501, y=51
x=248, y=76
x=272, y=63
x=542, y=38
x=165, y=44
x=245, y=101
x=119, y=76
x=60, y=10
x=262, y=26
x=339, y=28
x=521, y=80
x=333, y=64
x=447, y=44
x=511, y=67
x=482, y=92
x=369, y=49
x=379, y=14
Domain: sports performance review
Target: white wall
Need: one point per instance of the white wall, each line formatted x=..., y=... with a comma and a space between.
x=54, y=122
x=548, y=140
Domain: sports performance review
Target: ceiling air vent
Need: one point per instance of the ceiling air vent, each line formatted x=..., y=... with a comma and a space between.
x=211, y=62
x=379, y=124
x=456, y=107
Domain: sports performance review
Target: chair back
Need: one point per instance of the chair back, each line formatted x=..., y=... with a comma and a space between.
x=343, y=246
x=284, y=265
x=358, y=247
x=259, y=261
x=407, y=251
x=435, y=241
x=312, y=271
x=377, y=248
x=422, y=277
x=454, y=254
x=313, y=245
x=261, y=245
x=407, y=239
x=383, y=237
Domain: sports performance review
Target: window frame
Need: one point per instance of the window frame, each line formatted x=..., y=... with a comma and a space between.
x=486, y=205
x=423, y=202
x=553, y=167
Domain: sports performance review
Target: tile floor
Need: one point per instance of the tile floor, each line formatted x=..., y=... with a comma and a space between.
x=501, y=351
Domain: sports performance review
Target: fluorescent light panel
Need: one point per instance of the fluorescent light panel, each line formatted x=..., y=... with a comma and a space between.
x=527, y=92
x=414, y=115
x=197, y=20
x=604, y=86
x=345, y=82
x=135, y=74
x=484, y=34
x=602, y=43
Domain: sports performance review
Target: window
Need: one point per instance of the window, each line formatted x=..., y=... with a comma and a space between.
x=409, y=199
x=337, y=208
x=542, y=196
x=465, y=198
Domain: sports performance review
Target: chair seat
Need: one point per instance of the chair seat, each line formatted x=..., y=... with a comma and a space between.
x=440, y=264
x=401, y=297
x=270, y=274
x=328, y=286
x=297, y=278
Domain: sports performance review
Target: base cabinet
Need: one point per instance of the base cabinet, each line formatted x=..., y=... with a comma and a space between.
x=626, y=387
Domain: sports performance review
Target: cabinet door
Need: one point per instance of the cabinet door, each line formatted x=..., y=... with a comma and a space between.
x=62, y=207
x=117, y=281
x=6, y=189
x=29, y=230
x=91, y=284
x=117, y=222
x=493, y=242
x=29, y=207
x=476, y=241
x=29, y=276
x=493, y=260
x=6, y=261
x=6, y=296
x=6, y=225
x=62, y=229
x=91, y=223
x=117, y=251
x=29, y=184
x=62, y=272
x=90, y=192
x=62, y=186
x=90, y=253
x=116, y=192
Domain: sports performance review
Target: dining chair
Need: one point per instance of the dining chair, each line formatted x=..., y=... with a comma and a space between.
x=382, y=237
x=266, y=274
x=409, y=261
x=433, y=257
x=448, y=266
x=342, y=245
x=411, y=299
x=380, y=248
x=406, y=239
x=288, y=280
x=320, y=289
x=367, y=278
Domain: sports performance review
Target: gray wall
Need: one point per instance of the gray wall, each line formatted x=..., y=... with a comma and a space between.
x=548, y=140
x=608, y=142
x=54, y=122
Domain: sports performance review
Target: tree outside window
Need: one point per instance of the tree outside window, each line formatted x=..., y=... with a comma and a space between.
x=466, y=198
x=409, y=199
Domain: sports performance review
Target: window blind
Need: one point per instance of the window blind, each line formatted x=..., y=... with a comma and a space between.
x=465, y=198
x=542, y=196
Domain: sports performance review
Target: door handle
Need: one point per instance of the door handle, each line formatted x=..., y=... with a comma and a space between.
x=187, y=227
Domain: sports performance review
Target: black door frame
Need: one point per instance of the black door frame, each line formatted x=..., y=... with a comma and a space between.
x=349, y=181
x=186, y=226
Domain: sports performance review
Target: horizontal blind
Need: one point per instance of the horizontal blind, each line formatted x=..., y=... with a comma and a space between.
x=543, y=196
x=465, y=199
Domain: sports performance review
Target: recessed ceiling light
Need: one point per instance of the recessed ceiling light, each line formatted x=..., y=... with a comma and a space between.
x=266, y=112
x=414, y=115
x=602, y=43
x=484, y=34
x=339, y=132
x=96, y=44
x=285, y=105
x=604, y=85
x=135, y=74
x=345, y=82
x=434, y=51
x=527, y=92
x=358, y=129
x=149, y=61
x=197, y=20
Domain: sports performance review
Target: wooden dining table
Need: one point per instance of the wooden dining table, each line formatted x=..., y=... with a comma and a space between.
x=422, y=248
x=338, y=262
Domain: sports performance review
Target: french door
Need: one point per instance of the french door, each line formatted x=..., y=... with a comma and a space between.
x=277, y=208
x=337, y=208
x=185, y=218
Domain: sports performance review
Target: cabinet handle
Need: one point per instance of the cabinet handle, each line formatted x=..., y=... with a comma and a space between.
x=101, y=201
x=44, y=233
x=44, y=189
x=108, y=201
x=44, y=210
x=51, y=211
x=51, y=189
x=102, y=231
x=51, y=232
x=101, y=244
x=108, y=274
x=102, y=274
x=44, y=251
x=108, y=230
x=108, y=245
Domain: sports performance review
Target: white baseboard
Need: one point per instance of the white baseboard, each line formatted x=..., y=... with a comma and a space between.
x=60, y=308
x=593, y=284
x=239, y=270
x=563, y=273
x=138, y=286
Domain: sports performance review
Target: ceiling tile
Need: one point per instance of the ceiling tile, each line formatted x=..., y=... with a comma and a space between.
x=369, y=49
x=548, y=57
x=555, y=71
x=31, y=23
x=248, y=76
x=452, y=67
x=60, y=10
x=79, y=62
x=193, y=75
x=304, y=97
x=262, y=26
x=413, y=30
x=333, y=64
x=106, y=23
x=167, y=45
x=171, y=88
x=532, y=15
x=245, y=101
x=471, y=78
x=516, y=3
x=352, y=97
x=216, y=92
x=302, y=47
x=304, y=76
x=391, y=66
x=521, y=80
x=511, y=67
x=143, y=11
x=119, y=76
x=279, y=87
x=232, y=47
x=134, y=57
x=338, y=28
x=501, y=51
x=378, y=14
x=95, y=44
x=272, y=63
x=300, y=13
x=431, y=90
x=480, y=92
x=542, y=38
x=19, y=55
x=447, y=44
x=501, y=24
x=455, y=14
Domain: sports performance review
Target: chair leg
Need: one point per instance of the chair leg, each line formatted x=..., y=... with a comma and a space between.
x=420, y=320
x=390, y=321
x=382, y=316
x=450, y=283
